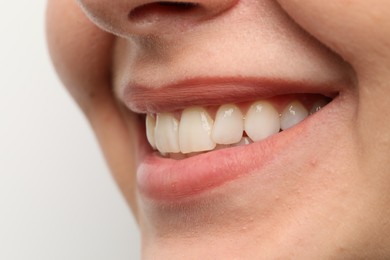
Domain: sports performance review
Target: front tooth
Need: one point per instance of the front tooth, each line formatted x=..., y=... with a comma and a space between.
x=261, y=121
x=294, y=113
x=195, y=131
x=150, y=126
x=167, y=133
x=228, y=125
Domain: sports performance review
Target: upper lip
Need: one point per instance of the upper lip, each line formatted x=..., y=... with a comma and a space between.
x=215, y=91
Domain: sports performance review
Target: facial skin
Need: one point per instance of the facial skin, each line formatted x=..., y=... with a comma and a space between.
x=325, y=191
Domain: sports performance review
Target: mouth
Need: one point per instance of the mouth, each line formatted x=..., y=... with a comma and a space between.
x=197, y=129
x=200, y=135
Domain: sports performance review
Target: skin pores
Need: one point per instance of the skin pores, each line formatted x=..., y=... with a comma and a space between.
x=316, y=190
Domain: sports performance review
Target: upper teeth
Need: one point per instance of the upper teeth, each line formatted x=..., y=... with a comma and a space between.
x=228, y=117
x=261, y=121
x=294, y=113
x=196, y=131
x=166, y=133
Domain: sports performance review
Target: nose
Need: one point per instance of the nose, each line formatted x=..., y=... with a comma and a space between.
x=150, y=17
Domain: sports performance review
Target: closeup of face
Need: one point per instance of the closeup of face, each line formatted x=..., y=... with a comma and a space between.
x=238, y=129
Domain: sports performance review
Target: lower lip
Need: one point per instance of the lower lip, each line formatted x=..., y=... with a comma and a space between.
x=168, y=179
x=164, y=179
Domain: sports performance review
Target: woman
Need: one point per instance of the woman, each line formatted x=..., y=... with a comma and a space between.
x=266, y=121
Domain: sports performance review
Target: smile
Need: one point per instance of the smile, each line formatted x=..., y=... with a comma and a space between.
x=199, y=129
x=201, y=139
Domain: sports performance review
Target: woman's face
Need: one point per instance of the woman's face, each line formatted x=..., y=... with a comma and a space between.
x=267, y=133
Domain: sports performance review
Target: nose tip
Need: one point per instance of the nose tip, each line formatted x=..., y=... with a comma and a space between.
x=150, y=17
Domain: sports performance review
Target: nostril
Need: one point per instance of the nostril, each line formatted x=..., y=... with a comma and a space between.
x=178, y=5
x=167, y=17
x=150, y=10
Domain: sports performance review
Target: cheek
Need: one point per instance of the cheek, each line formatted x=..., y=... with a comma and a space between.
x=359, y=31
x=111, y=16
x=80, y=52
x=356, y=30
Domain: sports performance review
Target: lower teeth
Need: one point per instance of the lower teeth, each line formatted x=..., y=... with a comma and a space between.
x=179, y=156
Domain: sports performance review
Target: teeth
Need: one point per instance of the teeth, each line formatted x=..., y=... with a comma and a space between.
x=261, y=121
x=167, y=133
x=228, y=125
x=195, y=131
x=294, y=113
x=150, y=126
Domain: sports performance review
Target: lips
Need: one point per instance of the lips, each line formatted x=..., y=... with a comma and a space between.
x=169, y=179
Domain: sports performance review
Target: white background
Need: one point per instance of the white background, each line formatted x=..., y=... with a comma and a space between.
x=57, y=198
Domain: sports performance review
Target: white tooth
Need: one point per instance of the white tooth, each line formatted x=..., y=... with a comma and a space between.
x=317, y=106
x=243, y=141
x=294, y=113
x=261, y=121
x=150, y=126
x=228, y=125
x=167, y=133
x=195, y=131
